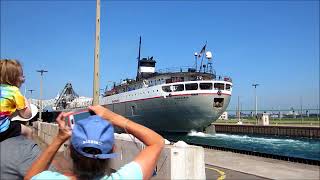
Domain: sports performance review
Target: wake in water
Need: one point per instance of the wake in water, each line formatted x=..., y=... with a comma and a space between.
x=199, y=134
x=286, y=146
x=243, y=137
x=266, y=140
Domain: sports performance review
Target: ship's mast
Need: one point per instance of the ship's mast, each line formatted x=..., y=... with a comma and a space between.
x=202, y=53
x=139, y=48
x=137, y=78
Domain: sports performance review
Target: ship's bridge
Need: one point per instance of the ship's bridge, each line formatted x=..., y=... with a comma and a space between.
x=198, y=85
x=221, y=90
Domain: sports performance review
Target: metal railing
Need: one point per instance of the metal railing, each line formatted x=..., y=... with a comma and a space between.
x=192, y=69
x=185, y=69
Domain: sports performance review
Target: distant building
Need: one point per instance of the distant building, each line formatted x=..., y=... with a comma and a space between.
x=263, y=119
x=274, y=115
x=292, y=114
x=224, y=116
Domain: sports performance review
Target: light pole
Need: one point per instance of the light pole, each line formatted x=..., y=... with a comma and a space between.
x=256, y=101
x=41, y=79
x=238, y=113
x=96, y=72
x=31, y=90
x=301, y=109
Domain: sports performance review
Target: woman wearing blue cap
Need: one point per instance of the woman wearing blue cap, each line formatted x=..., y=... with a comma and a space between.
x=91, y=147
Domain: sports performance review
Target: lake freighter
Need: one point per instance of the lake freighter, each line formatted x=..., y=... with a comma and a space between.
x=176, y=100
x=171, y=100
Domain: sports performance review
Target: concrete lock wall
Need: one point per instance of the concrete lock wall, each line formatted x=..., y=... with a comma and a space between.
x=177, y=161
x=46, y=132
x=309, y=132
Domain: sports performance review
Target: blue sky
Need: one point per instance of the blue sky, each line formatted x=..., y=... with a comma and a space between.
x=275, y=44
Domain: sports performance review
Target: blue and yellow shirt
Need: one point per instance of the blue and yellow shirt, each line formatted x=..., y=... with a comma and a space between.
x=11, y=100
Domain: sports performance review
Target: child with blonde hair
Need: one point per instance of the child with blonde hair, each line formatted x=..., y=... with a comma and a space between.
x=12, y=101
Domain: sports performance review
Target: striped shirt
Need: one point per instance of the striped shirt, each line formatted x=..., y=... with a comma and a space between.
x=11, y=100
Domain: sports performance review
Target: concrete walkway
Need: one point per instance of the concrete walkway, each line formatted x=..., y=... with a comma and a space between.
x=219, y=173
x=263, y=167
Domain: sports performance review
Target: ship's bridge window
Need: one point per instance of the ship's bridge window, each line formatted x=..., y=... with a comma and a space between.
x=206, y=86
x=191, y=86
x=147, y=64
x=166, y=88
x=228, y=87
x=177, y=87
x=218, y=86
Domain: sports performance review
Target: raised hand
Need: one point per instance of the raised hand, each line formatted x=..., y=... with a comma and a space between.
x=64, y=130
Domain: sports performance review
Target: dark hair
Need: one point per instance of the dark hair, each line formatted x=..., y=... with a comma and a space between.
x=88, y=168
x=10, y=72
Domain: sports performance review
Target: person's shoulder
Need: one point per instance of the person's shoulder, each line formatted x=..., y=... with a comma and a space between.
x=29, y=144
x=18, y=141
x=131, y=170
x=15, y=88
x=49, y=175
x=18, y=138
x=8, y=86
x=17, y=155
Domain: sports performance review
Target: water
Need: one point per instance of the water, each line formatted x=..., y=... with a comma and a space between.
x=285, y=146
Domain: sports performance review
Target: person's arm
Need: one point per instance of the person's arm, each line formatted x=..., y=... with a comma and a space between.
x=45, y=159
x=148, y=157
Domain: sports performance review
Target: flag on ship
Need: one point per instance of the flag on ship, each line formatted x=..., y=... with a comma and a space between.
x=202, y=50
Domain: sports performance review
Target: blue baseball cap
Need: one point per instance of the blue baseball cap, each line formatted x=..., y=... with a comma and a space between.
x=93, y=132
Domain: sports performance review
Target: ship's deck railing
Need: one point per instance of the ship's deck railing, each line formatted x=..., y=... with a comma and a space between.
x=223, y=78
x=186, y=69
x=209, y=71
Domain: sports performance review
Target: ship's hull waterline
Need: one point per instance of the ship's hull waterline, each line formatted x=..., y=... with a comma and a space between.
x=181, y=113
